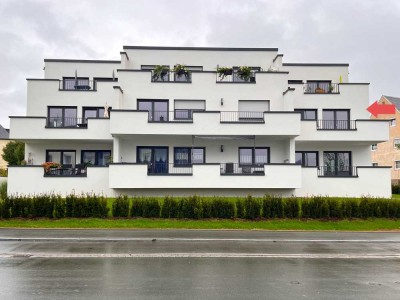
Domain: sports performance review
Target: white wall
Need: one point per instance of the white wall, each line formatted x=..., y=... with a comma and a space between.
x=30, y=180
x=208, y=59
x=58, y=70
x=317, y=73
x=370, y=182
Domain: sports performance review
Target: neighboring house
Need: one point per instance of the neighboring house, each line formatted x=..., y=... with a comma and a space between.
x=279, y=128
x=388, y=153
x=4, y=139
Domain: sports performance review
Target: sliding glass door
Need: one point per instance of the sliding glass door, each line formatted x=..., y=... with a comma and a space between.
x=158, y=109
x=336, y=119
x=155, y=157
x=337, y=163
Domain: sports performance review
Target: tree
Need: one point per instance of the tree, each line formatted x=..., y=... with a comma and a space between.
x=14, y=153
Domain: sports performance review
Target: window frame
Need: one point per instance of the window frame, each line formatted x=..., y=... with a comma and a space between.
x=393, y=123
x=96, y=157
x=394, y=143
x=190, y=163
x=151, y=113
x=61, y=154
x=63, y=108
x=374, y=148
x=396, y=161
x=253, y=157
x=303, y=110
x=97, y=108
x=303, y=160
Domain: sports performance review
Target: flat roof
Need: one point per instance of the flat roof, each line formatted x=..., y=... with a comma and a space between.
x=83, y=61
x=199, y=48
x=314, y=65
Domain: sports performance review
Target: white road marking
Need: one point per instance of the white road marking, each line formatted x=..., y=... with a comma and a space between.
x=200, y=255
x=159, y=239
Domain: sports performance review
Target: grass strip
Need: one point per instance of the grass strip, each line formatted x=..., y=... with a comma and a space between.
x=377, y=224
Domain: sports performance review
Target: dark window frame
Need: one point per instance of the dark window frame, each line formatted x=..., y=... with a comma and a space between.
x=253, y=157
x=62, y=113
x=61, y=156
x=303, y=156
x=96, y=163
x=152, y=106
x=190, y=111
x=335, y=123
x=77, y=78
x=336, y=160
x=97, y=108
x=190, y=156
x=302, y=110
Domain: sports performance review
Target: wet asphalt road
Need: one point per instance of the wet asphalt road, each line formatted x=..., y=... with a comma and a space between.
x=186, y=264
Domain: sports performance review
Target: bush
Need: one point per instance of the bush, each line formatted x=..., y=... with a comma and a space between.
x=151, y=208
x=222, y=208
x=3, y=172
x=120, y=207
x=252, y=207
x=69, y=205
x=14, y=153
x=395, y=189
x=59, y=206
x=350, y=208
x=137, y=207
x=170, y=208
x=96, y=206
x=191, y=208
x=276, y=207
x=240, y=208
x=207, y=207
x=291, y=207
x=267, y=206
x=42, y=206
x=3, y=190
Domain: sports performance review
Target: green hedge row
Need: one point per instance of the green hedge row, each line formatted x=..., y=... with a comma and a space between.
x=195, y=207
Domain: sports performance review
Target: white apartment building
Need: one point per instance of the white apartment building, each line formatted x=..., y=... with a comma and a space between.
x=138, y=127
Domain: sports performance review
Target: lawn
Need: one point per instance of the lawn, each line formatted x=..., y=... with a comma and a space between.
x=284, y=224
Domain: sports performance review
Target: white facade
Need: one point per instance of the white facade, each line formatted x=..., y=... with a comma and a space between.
x=290, y=129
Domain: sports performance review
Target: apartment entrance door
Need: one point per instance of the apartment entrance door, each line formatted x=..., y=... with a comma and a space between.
x=156, y=159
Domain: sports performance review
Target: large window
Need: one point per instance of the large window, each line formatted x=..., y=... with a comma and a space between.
x=155, y=157
x=254, y=156
x=184, y=108
x=335, y=119
x=307, y=114
x=95, y=112
x=96, y=157
x=158, y=109
x=307, y=158
x=64, y=157
x=62, y=116
x=188, y=156
x=337, y=163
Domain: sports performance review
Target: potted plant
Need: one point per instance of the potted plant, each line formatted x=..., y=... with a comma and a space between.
x=244, y=73
x=181, y=70
x=159, y=72
x=48, y=166
x=330, y=88
x=223, y=72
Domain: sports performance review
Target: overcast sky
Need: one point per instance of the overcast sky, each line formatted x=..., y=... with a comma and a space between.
x=364, y=33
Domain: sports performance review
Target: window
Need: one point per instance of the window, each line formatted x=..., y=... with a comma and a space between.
x=156, y=158
x=184, y=108
x=374, y=147
x=374, y=164
x=188, y=156
x=307, y=114
x=396, y=143
x=397, y=165
x=335, y=119
x=96, y=157
x=337, y=163
x=237, y=78
x=307, y=158
x=158, y=109
x=63, y=157
x=254, y=156
x=62, y=116
x=252, y=109
x=393, y=122
x=94, y=112
x=318, y=86
x=79, y=83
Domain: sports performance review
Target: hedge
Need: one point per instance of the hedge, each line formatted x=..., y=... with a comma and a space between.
x=196, y=207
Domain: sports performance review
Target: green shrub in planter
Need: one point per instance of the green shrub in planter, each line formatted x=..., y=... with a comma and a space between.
x=252, y=208
x=240, y=208
x=191, y=208
x=151, y=208
x=170, y=208
x=222, y=208
x=291, y=207
x=120, y=207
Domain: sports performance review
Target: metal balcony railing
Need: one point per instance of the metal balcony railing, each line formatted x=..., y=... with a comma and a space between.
x=238, y=169
x=242, y=117
x=339, y=171
x=171, y=76
x=163, y=168
x=59, y=122
x=179, y=115
x=336, y=125
x=234, y=77
x=77, y=85
x=321, y=88
x=66, y=171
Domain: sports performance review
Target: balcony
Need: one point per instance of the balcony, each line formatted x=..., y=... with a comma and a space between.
x=171, y=76
x=336, y=125
x=66, y=171
x=42, y=128
x=245, y=170
x=161, y=168
x=133, y=122
x=208, y=176
x=340, y=171
x=235, y=78
x=79, y=84
x=321, y=88
x=365, y=132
